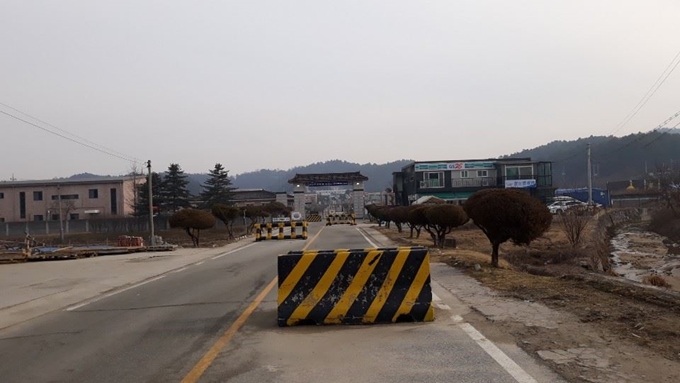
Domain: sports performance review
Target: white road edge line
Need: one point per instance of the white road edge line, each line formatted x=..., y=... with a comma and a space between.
x=199, y=263
x=75, y=307
x=233, y=251
x=435, y=297
x=179, y=270
x=499, y=356
x=367, y=239
x=444, y=306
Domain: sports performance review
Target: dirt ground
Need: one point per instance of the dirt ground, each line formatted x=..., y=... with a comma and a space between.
x=610, y=330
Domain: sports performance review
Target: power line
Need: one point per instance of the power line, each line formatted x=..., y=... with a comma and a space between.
x=644, y=135
x=661, y=135
x=69, y=133
x=578, y=153
x=643, y=101
x=648, y=95
x=69, y=138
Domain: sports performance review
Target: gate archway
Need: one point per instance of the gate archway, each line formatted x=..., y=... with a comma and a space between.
x=355, y=179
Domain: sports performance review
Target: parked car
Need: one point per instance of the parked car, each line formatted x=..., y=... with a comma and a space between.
x=559, y=207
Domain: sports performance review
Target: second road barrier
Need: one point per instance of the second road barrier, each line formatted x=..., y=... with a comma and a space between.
x=355, y=286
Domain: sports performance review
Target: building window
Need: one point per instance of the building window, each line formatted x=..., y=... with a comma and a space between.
x=37, y=196
x=482, y=173
x=65, y=197
x=74, y=216
x=38, y=217
x=519, y=172
x=55, y=217
x=2, y=219
x=464, y=174
x=2, y=195
x=93, y=193
x=433, y=180
x=22, y=205
x=114, y=202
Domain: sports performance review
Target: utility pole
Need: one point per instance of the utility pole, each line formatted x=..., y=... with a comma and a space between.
x=590, y=178
x=153, y=235
x=61, y=217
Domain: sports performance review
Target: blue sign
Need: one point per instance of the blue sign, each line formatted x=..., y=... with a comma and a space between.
x=520, y=183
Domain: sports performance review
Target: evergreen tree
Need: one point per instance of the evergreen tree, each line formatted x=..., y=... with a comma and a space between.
x=217, y=188
x=142, y=205
x=174, y=192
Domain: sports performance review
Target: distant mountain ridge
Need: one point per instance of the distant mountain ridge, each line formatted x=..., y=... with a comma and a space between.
x=379, y=176
x=613, y=158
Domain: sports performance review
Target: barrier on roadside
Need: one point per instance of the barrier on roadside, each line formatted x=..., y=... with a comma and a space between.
x=340, y=219
x=313, y=218
x=355, y=286
x=265, y=232
x=129, y=241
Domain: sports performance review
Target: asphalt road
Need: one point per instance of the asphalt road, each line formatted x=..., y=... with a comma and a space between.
x=158, y=332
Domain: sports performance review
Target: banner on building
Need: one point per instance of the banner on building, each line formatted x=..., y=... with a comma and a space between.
x=520, y=184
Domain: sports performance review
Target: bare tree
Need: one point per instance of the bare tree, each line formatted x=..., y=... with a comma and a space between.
x=136, y=171
x=226, y=214
x=573, y=222
x=67, y=206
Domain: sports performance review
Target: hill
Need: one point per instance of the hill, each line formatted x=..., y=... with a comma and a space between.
x=379, y=175
x=613, y=158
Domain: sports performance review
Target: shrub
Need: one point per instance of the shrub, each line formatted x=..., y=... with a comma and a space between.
x=508, y=215
x=655, y=280
x=193, y=221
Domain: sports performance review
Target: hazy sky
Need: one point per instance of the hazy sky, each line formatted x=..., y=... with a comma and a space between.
x=275, y=84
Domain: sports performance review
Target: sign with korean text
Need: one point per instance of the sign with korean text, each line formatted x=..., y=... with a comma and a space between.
x=453, y=166
x=520, y=184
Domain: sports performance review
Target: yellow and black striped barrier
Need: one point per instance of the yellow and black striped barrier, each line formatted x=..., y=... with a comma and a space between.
x=340, y=219
x=355, y=286
x=265, y=233
x=313, y=218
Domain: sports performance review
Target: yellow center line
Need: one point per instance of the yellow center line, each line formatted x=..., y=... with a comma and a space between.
x=209, y=357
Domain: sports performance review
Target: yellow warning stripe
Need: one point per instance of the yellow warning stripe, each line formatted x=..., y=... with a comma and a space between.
x=386, y=288
x=415, y=288
x=320, y=289
x=343, y=305
x=295, y=275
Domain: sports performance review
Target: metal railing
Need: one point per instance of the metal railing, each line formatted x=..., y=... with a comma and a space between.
x=473, y=182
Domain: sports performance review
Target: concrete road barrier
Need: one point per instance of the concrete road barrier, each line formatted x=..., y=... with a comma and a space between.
x=355, y=286
x=265, y=233
x=340, y=219
x=313, y=218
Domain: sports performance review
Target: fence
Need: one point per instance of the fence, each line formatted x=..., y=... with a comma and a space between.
x=108, y=225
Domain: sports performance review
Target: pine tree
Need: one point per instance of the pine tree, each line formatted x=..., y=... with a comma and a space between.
x=217, y=188
x=142, y=206
x=174, y=192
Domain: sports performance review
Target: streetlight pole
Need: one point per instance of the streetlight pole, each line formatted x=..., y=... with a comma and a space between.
x=590, y=178
x=61, y=217
x=153, y=236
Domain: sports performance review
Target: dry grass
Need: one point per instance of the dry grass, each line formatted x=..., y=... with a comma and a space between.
x=656, y=280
